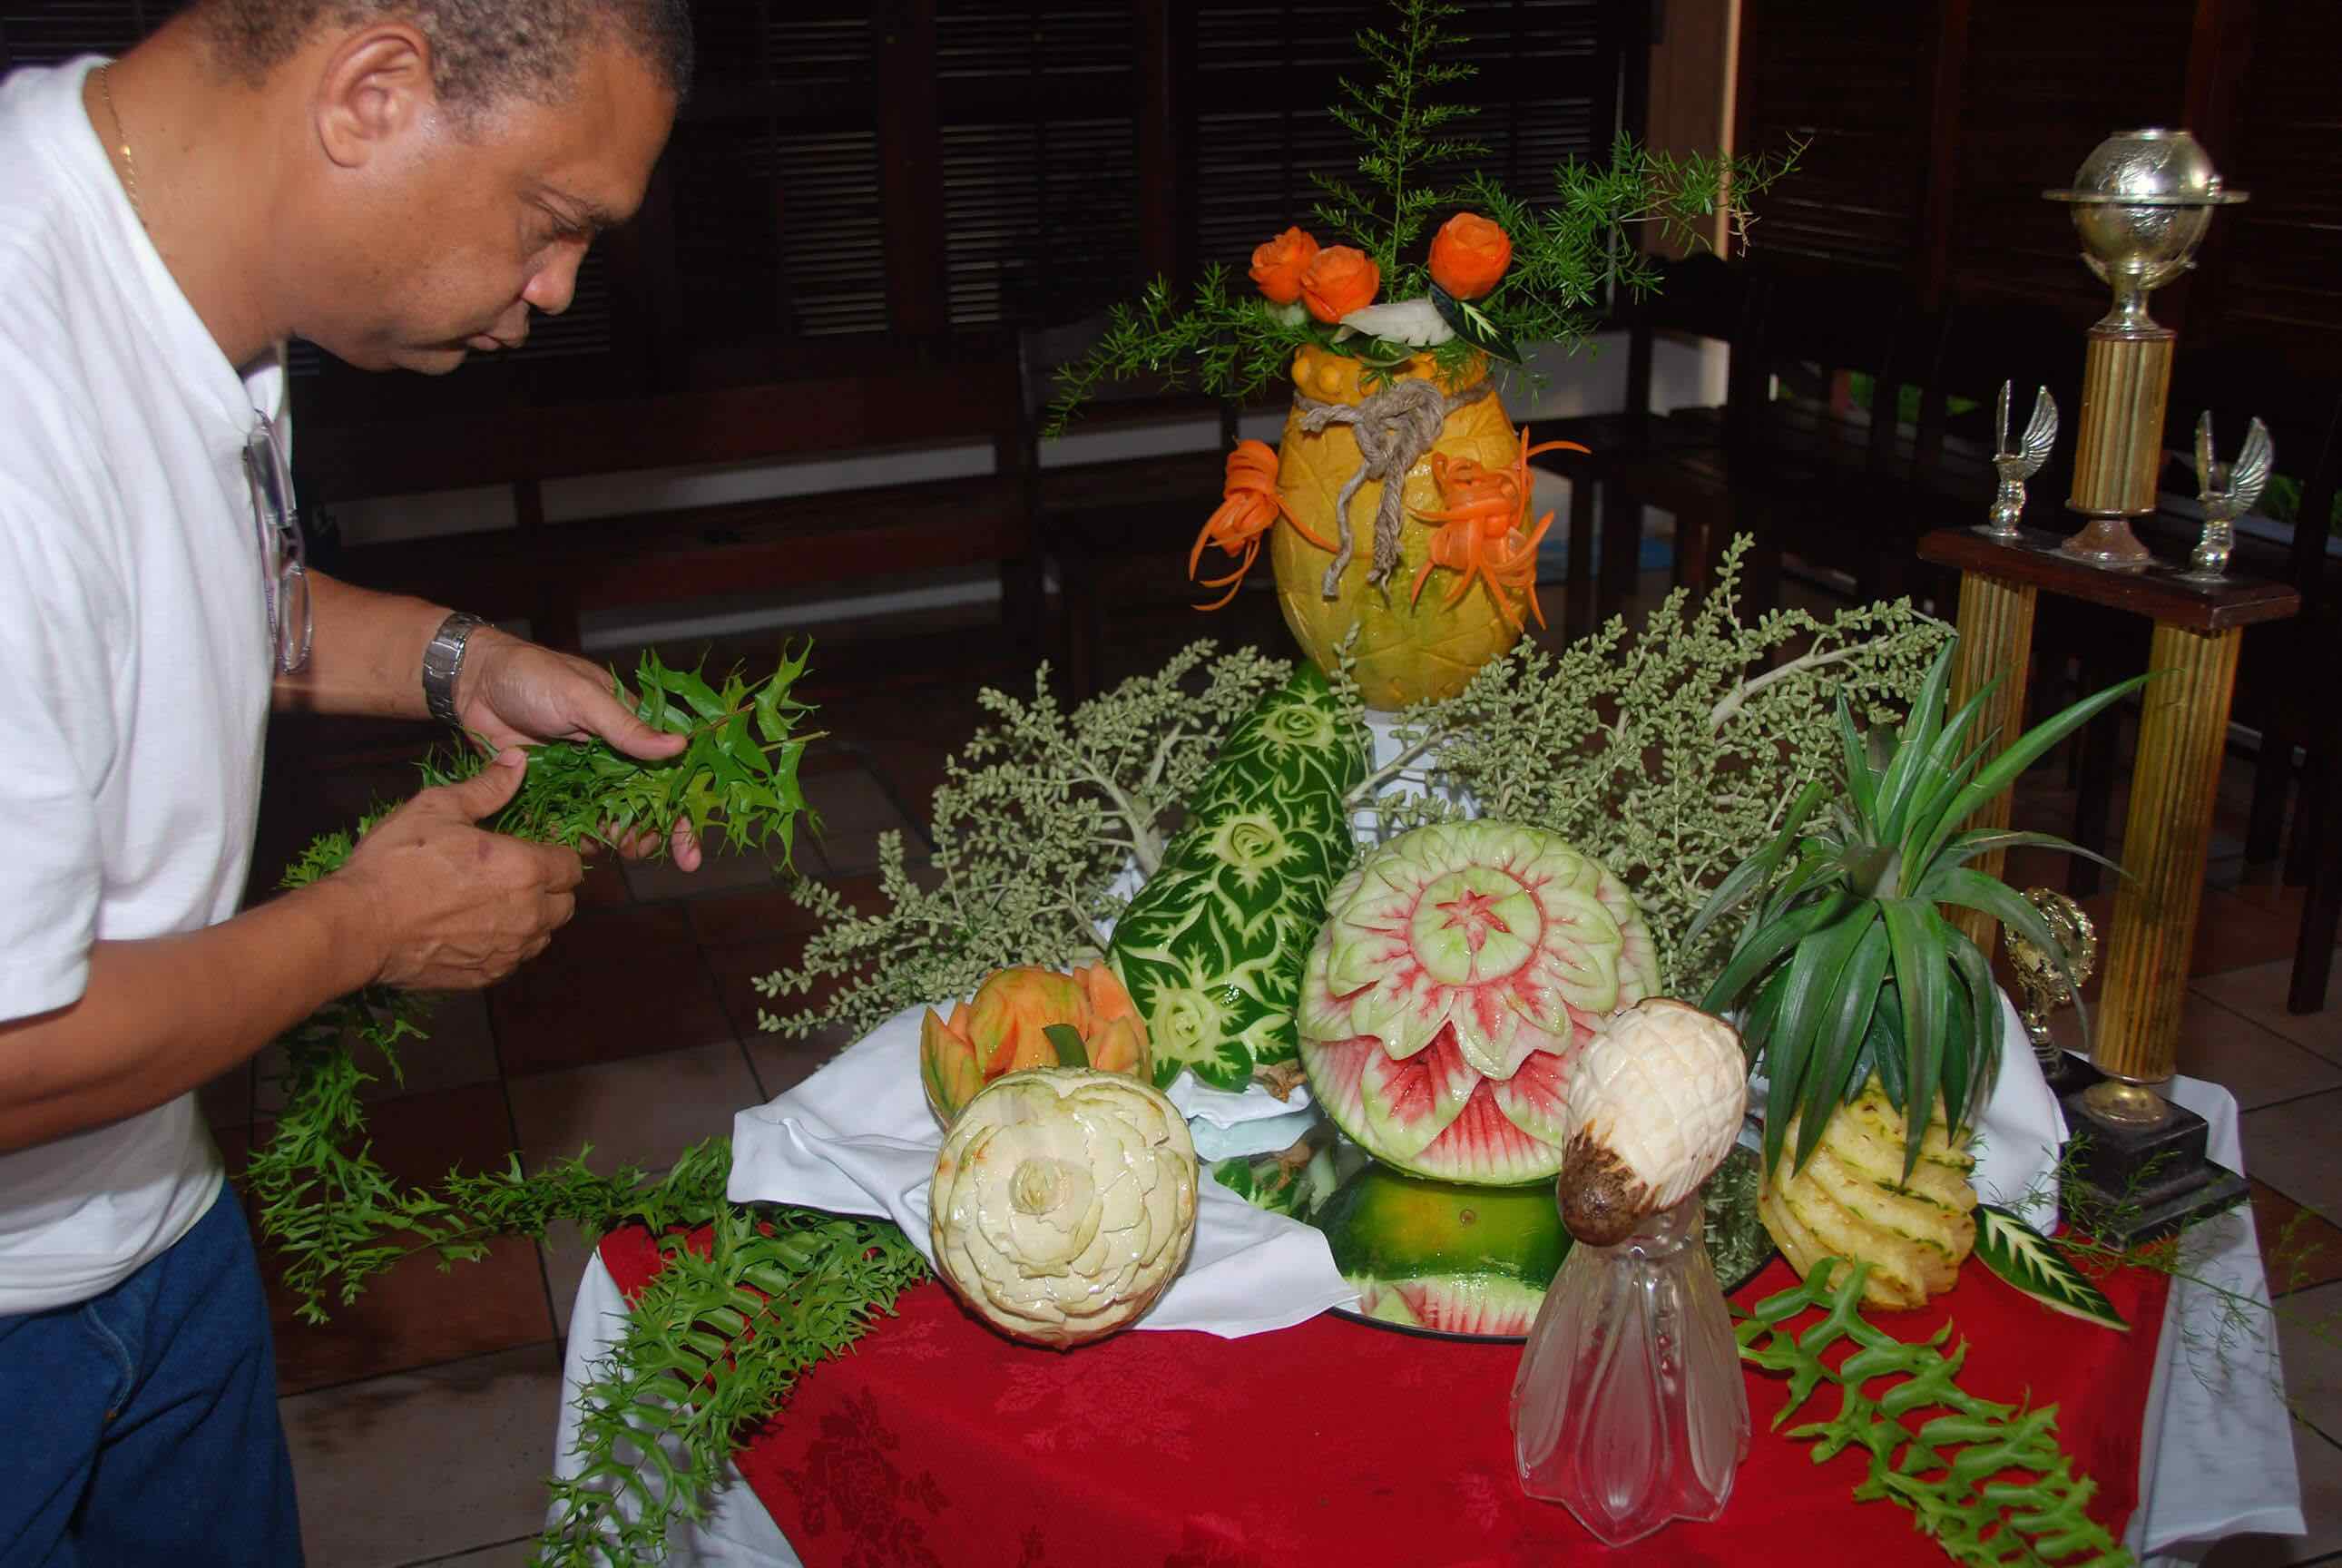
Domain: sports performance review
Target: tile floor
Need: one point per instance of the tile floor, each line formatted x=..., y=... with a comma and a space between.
x=421, y=1419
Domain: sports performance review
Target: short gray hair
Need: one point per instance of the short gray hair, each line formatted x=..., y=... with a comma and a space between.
x=481, y=50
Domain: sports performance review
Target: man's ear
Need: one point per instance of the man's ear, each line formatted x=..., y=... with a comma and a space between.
x=376, y=87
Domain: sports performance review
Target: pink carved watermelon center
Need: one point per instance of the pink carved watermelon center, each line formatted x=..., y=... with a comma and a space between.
x=1482, y=1140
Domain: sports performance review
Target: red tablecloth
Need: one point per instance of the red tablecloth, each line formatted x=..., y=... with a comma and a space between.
x=936, y=1444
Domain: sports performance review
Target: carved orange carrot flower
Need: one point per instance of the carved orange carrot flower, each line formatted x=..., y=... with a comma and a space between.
x=1249, y=508
x=1338, y=280
x=1278, y=266
x=1481, y=527
x=1469, y=254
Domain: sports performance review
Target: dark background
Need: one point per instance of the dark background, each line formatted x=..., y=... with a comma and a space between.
x=860, y=185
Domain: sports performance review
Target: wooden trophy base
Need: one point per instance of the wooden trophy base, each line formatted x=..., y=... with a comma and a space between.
x=2140, y=1183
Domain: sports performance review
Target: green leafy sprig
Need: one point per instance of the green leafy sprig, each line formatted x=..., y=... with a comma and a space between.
x=1404, y=138
x=712, y=1347
x=740, y=766
x=1948, y=1471
x=1571, y=255
x=334, y=1215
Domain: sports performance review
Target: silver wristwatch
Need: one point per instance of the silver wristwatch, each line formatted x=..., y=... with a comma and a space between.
x=443, y=660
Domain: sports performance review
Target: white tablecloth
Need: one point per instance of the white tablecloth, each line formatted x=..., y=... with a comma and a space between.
x=2216, y=1458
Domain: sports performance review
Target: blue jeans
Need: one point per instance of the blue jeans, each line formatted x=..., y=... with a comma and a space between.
x=141, y=1427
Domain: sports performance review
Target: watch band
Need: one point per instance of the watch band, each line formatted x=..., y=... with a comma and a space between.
x=443, y=660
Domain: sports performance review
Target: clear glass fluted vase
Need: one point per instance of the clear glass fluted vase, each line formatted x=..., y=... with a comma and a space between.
x=1629, y=1408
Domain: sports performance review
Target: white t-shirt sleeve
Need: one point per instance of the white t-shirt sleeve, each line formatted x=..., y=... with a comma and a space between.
x=57, y=735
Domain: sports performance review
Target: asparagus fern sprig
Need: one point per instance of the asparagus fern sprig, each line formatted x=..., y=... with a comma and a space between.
x=1847, y=965
x=1402, y=137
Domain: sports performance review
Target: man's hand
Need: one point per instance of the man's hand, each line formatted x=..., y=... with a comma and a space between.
x=456, y=907
x=513, y=692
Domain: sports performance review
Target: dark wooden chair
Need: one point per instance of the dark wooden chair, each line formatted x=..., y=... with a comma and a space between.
x=1676, y=461
x=552, y=573
x=1114, y=518
x=1791, y=457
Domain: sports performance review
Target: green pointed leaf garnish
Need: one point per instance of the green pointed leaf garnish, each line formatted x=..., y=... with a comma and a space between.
x=1473, y=325
x=1071, y=1052
x=2031, y=1261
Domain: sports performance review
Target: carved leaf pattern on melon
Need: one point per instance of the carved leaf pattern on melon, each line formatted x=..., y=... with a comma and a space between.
x=1460, y=969
x=1211, y=949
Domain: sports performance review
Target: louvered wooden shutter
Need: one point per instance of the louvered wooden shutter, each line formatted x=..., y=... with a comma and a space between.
x=2042, y=85
x=777, y=178
x=1036, y=110
x=2279, y=266
x=1850, y=77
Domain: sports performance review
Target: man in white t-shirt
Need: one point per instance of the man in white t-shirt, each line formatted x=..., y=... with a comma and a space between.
x=401, y=182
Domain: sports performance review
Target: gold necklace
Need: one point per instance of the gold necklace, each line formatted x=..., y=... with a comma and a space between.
x=122, y=137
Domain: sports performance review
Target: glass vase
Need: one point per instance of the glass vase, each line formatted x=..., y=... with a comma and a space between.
x=1629, y=1408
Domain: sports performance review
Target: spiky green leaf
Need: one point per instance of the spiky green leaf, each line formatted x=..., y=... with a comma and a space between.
x=1831, y=1079
x=2031, y=1261
x=1756, y=871
x=1809, y=998
x=2021, y=754
x=1922, y=971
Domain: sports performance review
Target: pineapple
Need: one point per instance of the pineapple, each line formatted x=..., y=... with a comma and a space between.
x=1875, y=1021
x=1854, y=1200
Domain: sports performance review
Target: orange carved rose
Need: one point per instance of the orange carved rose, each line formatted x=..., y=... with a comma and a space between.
x=1339, y=281
x=1469, y=254
x=1278, y=266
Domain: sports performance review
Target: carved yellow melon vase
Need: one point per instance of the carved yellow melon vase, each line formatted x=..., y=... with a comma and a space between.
x=1356, y=472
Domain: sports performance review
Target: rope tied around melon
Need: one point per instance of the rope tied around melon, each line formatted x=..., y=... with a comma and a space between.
x=1394, y=428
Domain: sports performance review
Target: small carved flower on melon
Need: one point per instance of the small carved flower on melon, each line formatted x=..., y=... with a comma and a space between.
x=1460, y=970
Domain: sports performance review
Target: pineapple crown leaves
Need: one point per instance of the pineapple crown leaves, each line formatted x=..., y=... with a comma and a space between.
x=1848, y=966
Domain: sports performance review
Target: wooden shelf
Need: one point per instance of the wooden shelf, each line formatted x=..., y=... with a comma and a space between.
x=2155, y=592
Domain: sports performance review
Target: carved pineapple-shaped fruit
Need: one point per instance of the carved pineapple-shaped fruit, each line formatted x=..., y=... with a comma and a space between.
x=1853, y=1200
x=1407, y=651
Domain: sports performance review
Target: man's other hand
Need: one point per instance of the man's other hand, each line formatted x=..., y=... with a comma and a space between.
x=456, y=907
x=514, y=692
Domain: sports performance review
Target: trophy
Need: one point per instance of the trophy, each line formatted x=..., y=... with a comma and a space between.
x=2227, y=490
x=2015, y=466
x=2142, y=202
x=2045, y=982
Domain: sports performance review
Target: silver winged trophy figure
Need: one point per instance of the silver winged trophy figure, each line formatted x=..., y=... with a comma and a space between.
x=2227, y=490
x=2015, y=466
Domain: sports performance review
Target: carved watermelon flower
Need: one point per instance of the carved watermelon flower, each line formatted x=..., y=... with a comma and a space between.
x=1460, y=969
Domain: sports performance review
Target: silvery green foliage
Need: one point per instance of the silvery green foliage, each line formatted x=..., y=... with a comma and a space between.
x=1670, y=754
x=1042, y=814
